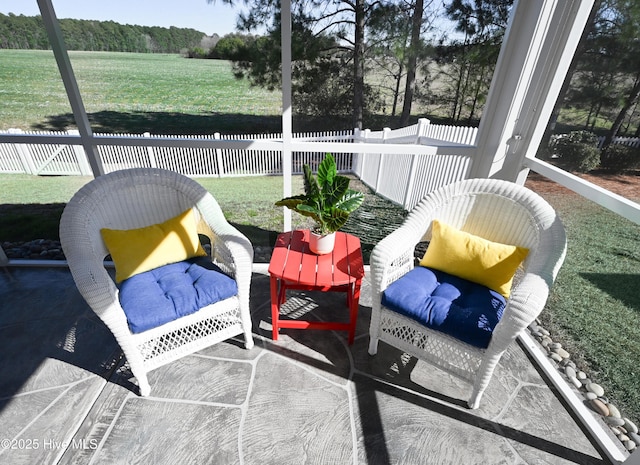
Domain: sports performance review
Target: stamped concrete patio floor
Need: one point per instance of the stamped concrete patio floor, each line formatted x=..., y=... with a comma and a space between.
x=66, y=395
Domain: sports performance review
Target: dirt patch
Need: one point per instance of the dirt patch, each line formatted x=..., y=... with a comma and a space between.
x=626, y=185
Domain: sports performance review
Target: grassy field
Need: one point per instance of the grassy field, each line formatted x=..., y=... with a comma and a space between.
x=30, y=207
x=133, y=92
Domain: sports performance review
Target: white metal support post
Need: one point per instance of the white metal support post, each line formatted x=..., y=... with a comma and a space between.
x=66, y=72
x=537, y=50
x=287, y=127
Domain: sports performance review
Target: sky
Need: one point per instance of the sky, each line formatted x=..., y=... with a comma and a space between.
x=210, y=18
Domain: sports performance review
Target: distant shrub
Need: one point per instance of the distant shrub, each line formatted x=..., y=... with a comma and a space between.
x=196, y=52
x=618, y=157
x=577, y=151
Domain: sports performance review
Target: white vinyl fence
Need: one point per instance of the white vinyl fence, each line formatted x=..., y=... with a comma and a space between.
x=406, y=178
x=633, y=142
x=53, y=159
x=402, y=178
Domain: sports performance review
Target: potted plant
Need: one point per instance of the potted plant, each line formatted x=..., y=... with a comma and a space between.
x=327, y=200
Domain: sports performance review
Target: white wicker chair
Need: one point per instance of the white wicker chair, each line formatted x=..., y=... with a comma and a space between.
x=140, y=197
x=496, y=210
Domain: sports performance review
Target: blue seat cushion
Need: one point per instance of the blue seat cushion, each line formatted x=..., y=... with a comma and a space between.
x=161, y=295
x=463, y=309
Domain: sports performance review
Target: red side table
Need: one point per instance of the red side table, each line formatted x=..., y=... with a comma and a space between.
x=294, y=266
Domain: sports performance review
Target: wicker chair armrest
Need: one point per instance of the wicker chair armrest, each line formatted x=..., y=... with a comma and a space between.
x=230, y=249
x=392, y=258
x=524, y=305
x=529, y=296
x=95, y=285
x=85, y=253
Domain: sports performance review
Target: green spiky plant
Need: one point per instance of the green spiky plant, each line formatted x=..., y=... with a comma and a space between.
x=327, y=198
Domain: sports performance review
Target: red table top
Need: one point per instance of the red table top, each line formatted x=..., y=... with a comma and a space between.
x=293, y=261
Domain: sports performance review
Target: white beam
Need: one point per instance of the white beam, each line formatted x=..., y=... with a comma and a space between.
x=590, y=191
x=287, y=126
x=537, y=50
x=68, y=78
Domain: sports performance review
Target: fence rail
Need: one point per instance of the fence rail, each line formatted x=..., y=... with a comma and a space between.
x=403, y=178
x=407, y=177
x=59, y=159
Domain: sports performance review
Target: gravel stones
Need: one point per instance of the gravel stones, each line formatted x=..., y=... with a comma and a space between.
x=630, y=426
x=625, y=430
x=600, y=407
x=39, y=249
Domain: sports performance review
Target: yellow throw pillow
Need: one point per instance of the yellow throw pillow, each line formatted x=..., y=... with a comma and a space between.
x=473, y=258
x=137, y=250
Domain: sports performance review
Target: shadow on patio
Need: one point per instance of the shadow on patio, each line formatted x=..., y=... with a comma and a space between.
x=66, y=396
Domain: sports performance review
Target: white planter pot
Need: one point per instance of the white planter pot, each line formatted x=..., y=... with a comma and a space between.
x=321, y=245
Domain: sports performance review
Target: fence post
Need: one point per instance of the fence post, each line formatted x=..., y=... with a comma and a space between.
x=422, y=128
x=218, y=153
x=151, y=153
x=410, y=182
x=356, y=160
x=81, y=155
x=362, y=138
x=385, y=136
x=23, y=152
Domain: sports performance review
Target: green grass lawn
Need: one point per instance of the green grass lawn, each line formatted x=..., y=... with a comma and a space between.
x=31, y=205
x=594, y=307
x=133, y=93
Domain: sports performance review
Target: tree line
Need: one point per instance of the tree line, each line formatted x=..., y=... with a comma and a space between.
x=355, y=58
x=28, y=32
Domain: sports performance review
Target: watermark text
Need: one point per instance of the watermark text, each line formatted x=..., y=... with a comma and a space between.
x=47, y=444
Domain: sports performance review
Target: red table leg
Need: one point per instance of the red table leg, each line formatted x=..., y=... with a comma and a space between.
x=275, y=307
x=354, y=302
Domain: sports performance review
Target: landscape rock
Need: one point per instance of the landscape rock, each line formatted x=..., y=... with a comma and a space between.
x=613, y=421
x=576, y=382
x=613, y=411
x=624, y=429
x=630, y=426
x=590, y=396
x=555, y=357
x=595, y=388
x=599, y=407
